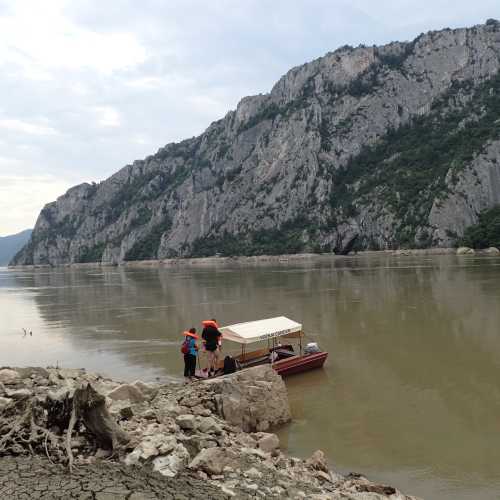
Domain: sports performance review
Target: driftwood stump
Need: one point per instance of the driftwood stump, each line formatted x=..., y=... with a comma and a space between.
x=90, y=407
x=35, y=426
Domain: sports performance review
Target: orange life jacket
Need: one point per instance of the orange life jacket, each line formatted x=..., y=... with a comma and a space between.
x=189, y=334
x=209, y=322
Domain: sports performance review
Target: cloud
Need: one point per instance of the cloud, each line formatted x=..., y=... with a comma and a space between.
x=26, y=127
x=38, y=37
x=107, y=116
x=22, y=198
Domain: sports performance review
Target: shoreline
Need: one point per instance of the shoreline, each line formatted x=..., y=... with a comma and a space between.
x=207, y=437
x=259, y=259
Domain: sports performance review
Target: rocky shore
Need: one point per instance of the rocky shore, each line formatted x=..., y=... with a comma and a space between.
x=273, y=259
x=210, y=439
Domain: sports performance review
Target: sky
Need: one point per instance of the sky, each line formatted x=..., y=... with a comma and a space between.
x=89, y=86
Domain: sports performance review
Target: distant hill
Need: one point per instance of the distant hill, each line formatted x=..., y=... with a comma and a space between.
x=10, y=245
x=385, y=147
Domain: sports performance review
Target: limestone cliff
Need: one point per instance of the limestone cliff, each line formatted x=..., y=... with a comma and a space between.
x=373, y=147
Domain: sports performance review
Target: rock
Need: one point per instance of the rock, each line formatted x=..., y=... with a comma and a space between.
x=71, y=373
x=149, y=390
x=255, y=452
x=19, y=394
x=318, y=461
x=127, y=392
x=173, y=463
x=9, y=377
x=209, y=425
x=100, y=453
x=2, y=389
x=4, y=403
x=253, y=473
x=33, y=371
x=227, y=491
x=268, y=442
x=53, y=379
x=252, y=399
x=492, y=251
x=465, y=251
x=59, y=394
x=186, y=422
x=212, y=460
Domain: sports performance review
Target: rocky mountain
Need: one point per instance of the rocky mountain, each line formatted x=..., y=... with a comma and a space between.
x=368, y=147
x=10, y=245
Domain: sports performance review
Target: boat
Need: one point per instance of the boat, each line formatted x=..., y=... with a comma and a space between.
x=282, y=357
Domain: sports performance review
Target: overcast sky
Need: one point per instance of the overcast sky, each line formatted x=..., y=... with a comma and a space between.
x=89, y=86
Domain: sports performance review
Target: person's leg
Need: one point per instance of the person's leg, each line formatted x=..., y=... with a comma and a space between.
x=211, y=362
x=216, y=358
x=192, y=365
x=186, y=365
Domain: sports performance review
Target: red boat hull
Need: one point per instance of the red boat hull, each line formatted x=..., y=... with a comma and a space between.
x=297, y=364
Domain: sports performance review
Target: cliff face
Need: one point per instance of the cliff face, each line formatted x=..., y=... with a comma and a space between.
x=378, y=147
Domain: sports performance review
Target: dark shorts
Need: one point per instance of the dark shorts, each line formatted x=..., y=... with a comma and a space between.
x=211, y=347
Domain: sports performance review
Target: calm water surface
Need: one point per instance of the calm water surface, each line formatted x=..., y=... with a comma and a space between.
x=410, y=394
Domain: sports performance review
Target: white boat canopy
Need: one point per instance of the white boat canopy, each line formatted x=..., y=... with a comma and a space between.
x=263, y=329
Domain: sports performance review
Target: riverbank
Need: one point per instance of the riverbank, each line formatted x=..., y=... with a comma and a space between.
x=268, y=259
x=203, y=439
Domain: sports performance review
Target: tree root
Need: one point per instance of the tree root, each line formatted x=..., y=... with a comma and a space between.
x=37, y=427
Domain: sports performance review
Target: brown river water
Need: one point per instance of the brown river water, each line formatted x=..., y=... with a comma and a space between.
x=410, y=394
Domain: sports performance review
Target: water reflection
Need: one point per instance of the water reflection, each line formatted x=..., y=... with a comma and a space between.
x=409, y=395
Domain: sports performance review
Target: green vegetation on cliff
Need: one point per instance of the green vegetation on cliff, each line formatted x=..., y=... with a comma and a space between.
x=406, y=169
x=147, y=247
x=286, y=239
x=486, y=233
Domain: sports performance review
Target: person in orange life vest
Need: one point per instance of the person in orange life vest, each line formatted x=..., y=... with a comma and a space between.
x=190, y=350
x=212, y=340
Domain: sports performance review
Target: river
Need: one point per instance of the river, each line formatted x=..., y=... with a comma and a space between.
x=410, y=394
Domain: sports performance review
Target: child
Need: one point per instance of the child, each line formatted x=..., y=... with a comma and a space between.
x=191, y=349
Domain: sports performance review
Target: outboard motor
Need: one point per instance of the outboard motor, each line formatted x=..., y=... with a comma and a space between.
x=311, y=348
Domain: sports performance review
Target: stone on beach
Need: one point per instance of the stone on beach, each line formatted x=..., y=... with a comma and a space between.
x=492, y=251
x=212, y=460
x=186, y=422
x=9, y=377
x=127, y=392
x=253, y=399
x=170, y=465
x=465, y=251
x=318, y=461
x=5, y=403
x=268, y=442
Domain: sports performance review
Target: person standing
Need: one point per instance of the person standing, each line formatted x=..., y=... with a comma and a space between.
x=190, y=351
x=212, y=340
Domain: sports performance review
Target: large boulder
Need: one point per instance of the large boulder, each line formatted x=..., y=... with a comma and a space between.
x=254, y=399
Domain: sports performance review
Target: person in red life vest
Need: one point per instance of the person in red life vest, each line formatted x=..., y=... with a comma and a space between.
x=212, y=340
x=190, y=350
